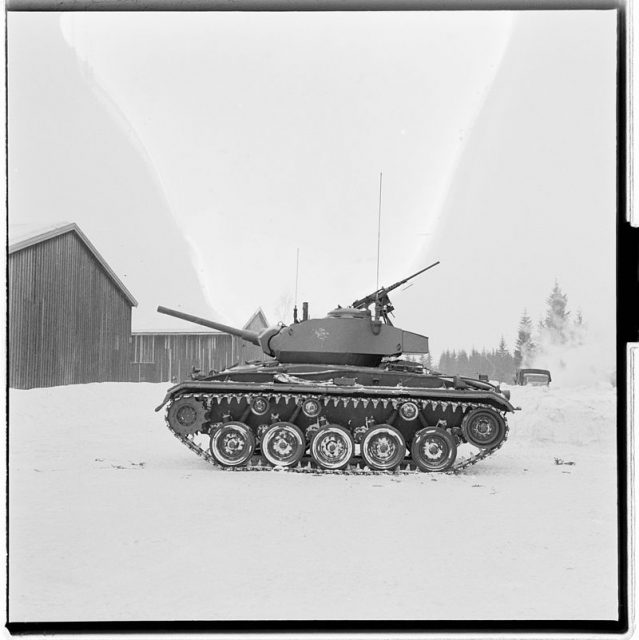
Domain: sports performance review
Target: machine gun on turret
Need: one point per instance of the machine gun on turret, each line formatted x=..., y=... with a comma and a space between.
x=380, y=299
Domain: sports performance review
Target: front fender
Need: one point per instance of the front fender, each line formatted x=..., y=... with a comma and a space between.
x=170, y=393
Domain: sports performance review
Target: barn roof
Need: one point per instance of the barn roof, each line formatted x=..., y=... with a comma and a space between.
x=258, y=314
x=21, y=238
x=180, y=333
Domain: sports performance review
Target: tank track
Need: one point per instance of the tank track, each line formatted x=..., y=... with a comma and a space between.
x=307, y=465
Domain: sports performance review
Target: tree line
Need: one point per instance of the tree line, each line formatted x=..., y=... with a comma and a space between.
x=556, y=328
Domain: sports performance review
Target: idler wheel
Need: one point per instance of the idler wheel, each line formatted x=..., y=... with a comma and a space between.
x=283, y=444
x=332, y=447
x=232, y=444
x=483, y=428
x=433, y=449
x=383, y=447
x=186, y=416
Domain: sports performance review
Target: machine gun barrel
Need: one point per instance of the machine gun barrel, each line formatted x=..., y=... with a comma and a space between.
x=376, y=295
x=249, y=336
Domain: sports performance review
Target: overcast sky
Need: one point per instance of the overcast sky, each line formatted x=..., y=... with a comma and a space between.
x=199, y=151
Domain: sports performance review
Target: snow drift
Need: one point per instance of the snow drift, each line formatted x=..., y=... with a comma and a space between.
x=111, y=518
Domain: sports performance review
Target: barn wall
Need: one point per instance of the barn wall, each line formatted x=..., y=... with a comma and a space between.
x=247, y=351
x=68, y=321
x=163, y=357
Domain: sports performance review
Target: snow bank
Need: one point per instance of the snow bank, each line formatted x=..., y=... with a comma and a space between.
x=111, y=518
x=578, y=415
x=77, y=425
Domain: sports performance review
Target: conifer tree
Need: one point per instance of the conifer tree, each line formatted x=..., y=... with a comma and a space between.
x=452, y=364
x=578, y=330
x=557, y=317
x=504, y=363
x=426, y=361
x=525, y=348
x=475, y=363
x=462, y=363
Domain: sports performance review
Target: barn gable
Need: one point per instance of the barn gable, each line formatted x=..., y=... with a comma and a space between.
x=257, y=321
x=69, y=315
x=18, y=242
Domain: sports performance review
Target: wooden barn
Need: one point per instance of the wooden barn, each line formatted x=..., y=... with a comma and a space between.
x=69, y=314
x=171, y=355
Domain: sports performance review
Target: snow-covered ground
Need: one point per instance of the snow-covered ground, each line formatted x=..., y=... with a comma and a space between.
x=112, y=519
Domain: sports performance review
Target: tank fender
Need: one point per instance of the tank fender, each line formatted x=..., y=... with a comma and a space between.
x=504, y=404
x=169, y=394
x=167, y=397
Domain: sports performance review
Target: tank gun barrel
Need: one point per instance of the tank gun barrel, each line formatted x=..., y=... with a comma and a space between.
x=249, y=336
x=378, y=295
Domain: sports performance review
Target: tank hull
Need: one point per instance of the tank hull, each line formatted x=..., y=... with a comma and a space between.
x=363, y=412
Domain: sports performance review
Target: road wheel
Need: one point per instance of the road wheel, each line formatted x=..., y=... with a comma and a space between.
x=433, y=449
x=483, y=428
x=332, y=447
x=232, y=444
x=283, y=444
x=383, y=447
x=186, y=416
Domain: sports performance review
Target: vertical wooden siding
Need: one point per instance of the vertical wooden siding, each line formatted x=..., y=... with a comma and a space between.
x=174, y=355
x=68, y=321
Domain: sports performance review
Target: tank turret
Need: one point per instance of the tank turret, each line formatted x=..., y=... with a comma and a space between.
x=346, y=336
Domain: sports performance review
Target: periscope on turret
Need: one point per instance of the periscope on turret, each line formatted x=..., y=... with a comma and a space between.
x=336, y=396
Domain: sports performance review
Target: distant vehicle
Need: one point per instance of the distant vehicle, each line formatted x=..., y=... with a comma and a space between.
x=535, y=377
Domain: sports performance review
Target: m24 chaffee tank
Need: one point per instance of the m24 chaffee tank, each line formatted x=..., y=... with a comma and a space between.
x=336, y=396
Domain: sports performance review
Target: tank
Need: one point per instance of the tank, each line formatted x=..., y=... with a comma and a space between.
x=335, y=395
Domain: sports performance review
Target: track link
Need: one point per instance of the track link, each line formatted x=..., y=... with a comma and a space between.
x=307, y=464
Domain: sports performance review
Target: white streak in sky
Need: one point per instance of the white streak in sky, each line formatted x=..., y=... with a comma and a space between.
x=432, y=224
x=80, y=46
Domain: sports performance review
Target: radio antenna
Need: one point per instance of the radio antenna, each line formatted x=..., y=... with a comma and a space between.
x=379, y=226
x=297, y=273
